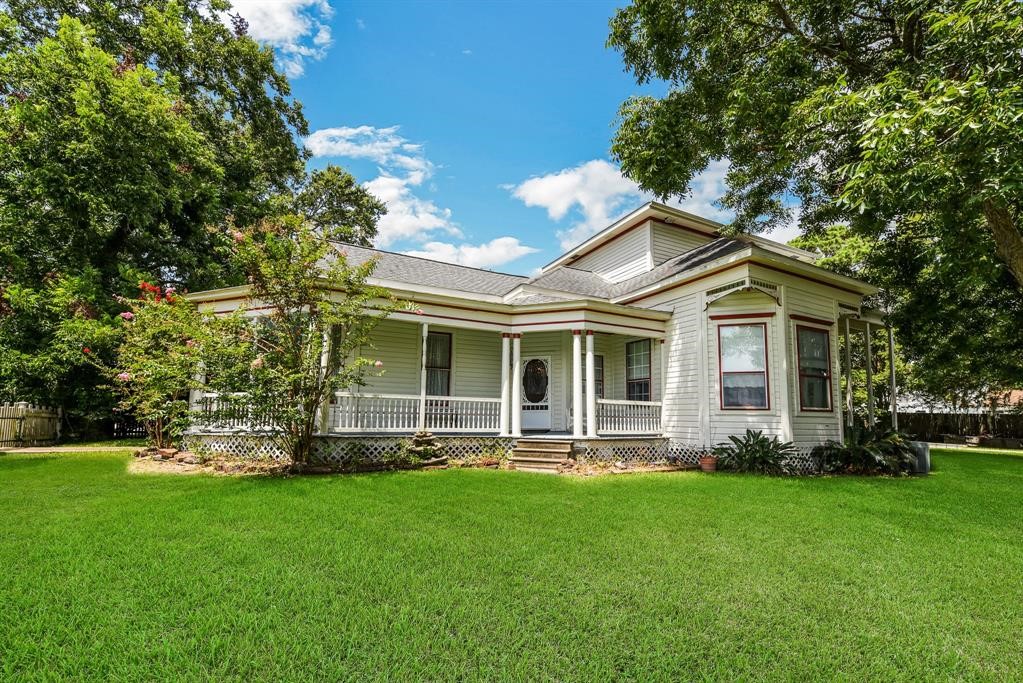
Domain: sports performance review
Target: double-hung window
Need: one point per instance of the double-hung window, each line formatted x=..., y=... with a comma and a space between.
x=742, y=351
x=438, y=364
x=814, y=348
x=637, y=370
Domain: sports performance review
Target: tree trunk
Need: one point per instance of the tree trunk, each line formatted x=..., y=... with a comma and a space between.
x=1008, y=239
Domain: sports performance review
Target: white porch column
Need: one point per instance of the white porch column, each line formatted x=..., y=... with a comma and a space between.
x=891, y=378
x=516, y=390
x=870, y=378
x=787, y=376
x=324, y=417
x=848, y=376
x=422, y=380
x=505, y=383
x=591, y=387
x=577, y=383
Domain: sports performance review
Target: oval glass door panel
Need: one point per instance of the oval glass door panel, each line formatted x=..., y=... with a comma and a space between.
x=534, y=381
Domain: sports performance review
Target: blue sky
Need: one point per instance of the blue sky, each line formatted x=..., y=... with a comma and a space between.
x=484, y=126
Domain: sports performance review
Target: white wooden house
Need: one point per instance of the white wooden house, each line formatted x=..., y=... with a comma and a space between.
x=658, y=326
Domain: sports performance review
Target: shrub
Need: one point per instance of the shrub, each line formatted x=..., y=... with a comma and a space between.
x=867, y=451
x=754, y=452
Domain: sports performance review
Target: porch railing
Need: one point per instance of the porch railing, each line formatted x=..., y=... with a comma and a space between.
x=400, y=413
x=227, y=413
x=628, y=417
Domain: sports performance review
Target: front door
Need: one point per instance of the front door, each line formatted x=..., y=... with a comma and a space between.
x=536, y=394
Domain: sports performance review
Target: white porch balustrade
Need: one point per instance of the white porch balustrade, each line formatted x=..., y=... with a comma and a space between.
x=354, y=413
x=628, y=417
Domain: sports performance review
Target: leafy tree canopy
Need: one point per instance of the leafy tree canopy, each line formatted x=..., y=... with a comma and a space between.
x=131, y=134
x=878, y=113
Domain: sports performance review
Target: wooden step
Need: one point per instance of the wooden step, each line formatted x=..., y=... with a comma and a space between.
x=545, y=445
x=539, y=459
x=535, y=464
x=542, y=452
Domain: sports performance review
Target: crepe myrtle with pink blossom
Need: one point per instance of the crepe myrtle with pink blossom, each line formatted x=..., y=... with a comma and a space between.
x=158, y=357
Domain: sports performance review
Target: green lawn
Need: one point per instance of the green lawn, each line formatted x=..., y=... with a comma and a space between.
x=486, y=574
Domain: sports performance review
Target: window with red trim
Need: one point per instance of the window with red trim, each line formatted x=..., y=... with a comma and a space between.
x=742, y=364
x=813, y=347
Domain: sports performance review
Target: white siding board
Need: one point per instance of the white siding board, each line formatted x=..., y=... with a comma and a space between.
x=668, y=242
x=397, y=345
x=621, y=258
x=681, y=412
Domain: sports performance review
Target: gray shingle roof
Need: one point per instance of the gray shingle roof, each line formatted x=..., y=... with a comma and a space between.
x=571, y=281
x=421, y=271
x=575, y=281
x=694, y=258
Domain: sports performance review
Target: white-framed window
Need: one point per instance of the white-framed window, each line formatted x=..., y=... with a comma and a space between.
x=637, y=370
x=438, y=364
x=742, y=364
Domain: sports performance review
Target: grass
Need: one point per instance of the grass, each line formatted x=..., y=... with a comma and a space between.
x=485, y=574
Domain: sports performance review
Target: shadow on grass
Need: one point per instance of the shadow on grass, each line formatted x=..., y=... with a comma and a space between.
x=9, y=462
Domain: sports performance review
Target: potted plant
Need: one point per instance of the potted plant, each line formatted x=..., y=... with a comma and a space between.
x=709, y=462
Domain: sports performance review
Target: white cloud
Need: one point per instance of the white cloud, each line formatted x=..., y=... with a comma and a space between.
x=296, y=29
x=467, y=52
x=595, y=194
x=382, y=146
x=403, y=172
x=360, y=24
x=487, y=255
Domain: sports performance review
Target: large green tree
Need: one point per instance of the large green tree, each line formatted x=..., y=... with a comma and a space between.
x=130, y=135
x=879, y=113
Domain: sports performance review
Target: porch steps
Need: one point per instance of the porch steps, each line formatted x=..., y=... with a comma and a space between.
x=540, y=455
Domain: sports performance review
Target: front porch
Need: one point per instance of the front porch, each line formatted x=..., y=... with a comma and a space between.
x=578, y=380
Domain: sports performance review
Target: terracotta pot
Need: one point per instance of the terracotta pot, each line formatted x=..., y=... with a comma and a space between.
x=709, y=463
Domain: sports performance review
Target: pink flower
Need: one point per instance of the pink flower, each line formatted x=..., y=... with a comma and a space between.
x=124, y=377
x=190, y=343
x=378, y=364
x=237, y=236
x=128, y=315
x=256, y=364
x=169, y=290
x=86, y=350
x=419, y=311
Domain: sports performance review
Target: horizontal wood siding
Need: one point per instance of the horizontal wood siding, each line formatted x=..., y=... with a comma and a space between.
x=475, y=360
x=668, y=242
x=812, y=428
x=476, y=363
x=622, y=258
x=682, y=382
x=397, y=345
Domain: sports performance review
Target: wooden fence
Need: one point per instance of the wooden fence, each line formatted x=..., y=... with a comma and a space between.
x=935, y=426
x=23, y=424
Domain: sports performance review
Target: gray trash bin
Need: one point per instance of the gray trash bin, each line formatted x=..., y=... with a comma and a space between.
x=922, y=450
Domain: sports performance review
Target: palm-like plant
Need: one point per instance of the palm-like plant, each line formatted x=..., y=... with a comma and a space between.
x=866, y=451
x=756, y=453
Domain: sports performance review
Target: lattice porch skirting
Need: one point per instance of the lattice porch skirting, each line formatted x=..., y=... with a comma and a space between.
x=341, y=450
x=345, y=450
x=654, y=450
